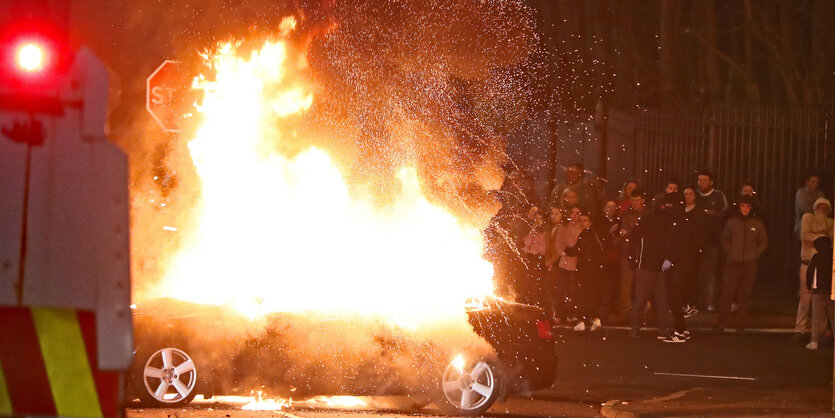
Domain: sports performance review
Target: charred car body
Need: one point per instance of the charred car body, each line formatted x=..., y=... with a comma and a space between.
x=186, y=349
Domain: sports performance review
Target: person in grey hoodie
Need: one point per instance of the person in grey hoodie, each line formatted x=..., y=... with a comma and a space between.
x=743, y=240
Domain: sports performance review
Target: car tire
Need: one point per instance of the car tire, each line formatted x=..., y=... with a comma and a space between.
x=167, y=377
x=471, y=388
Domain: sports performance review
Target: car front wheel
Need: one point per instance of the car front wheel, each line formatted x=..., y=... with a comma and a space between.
x=169, y=378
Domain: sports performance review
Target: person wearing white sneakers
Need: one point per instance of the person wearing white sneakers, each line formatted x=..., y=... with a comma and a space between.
x=819, y=283
x=653, y=245
x=589, y=252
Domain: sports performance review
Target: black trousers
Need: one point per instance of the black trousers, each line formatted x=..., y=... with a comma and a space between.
x=565, y=294
x=678, y=282
x=688, y=271
x=650, y=286
x=590, y=293
x=611, y=287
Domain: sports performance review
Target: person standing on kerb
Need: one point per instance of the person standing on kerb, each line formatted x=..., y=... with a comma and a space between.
x=713, y=202
x=812, y=226
x=653, y=246
x=743, y=240
x=819, y=283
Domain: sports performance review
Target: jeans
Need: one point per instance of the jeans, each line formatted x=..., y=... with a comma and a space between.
x=707, y=276
x=801, y=323
x=737, y=284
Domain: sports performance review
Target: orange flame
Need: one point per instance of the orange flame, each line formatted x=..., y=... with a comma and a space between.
x=285, y=233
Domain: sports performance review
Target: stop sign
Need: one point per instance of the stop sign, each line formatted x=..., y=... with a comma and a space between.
x=165, y=95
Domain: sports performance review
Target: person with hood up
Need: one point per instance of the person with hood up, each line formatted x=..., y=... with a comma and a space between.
x=819, y=283
x=812, y=226
x=653, y=246
x=743, y=240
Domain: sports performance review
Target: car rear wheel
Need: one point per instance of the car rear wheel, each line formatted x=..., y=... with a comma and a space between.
x=471, y=388
x=169, y=378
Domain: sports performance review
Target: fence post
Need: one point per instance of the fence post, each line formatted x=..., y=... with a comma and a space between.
x=711, y=138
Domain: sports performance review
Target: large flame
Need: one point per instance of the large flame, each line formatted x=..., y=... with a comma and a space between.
x=286, y=233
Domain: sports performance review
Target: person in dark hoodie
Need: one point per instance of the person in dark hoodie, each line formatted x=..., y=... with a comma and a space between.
x=743, y=240
x=589, y=252
x=683, y=256
x=653, y=246
x=819, y=282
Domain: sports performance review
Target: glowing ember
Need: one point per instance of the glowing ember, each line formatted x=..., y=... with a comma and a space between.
x=335, y=402
x=285, y=233
x=267, y=405
x=459, y=362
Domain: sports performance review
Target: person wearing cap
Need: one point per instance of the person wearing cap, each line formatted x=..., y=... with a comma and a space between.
x=812, y=226
x=819, y=283
x=743, y=240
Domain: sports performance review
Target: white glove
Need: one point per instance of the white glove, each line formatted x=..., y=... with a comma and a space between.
x=666, y=266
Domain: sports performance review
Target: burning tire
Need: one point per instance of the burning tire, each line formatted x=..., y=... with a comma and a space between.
x=470, y=388
x=168, y=378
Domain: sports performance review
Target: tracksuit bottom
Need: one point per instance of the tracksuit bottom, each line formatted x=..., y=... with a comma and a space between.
x=649, y=286
x=678, y=282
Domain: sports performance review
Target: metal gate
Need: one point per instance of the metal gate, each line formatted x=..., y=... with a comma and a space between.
x=771, y=147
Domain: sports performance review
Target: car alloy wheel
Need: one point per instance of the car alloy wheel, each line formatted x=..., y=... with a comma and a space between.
x=471, y=388
x=170, y=377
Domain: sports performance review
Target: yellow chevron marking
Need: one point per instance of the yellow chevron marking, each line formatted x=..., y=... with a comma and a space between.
x=5, y=401
x=70, y=376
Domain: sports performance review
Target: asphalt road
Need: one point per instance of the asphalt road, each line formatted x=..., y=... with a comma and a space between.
x=600, y=367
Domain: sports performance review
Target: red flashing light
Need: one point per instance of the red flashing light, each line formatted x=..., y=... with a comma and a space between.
x=30, y=57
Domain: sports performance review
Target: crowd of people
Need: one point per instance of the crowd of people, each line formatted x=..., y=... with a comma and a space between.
x=590, y=262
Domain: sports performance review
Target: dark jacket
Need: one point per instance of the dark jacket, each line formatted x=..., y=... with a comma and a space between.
x=656, y=238
x=821, y=264
x=589, y=252
x=743, y=239
x=629, y=221
x=611, y=241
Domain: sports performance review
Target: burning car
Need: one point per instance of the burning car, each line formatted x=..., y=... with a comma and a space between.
x=286, y=261
x=186, y=349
